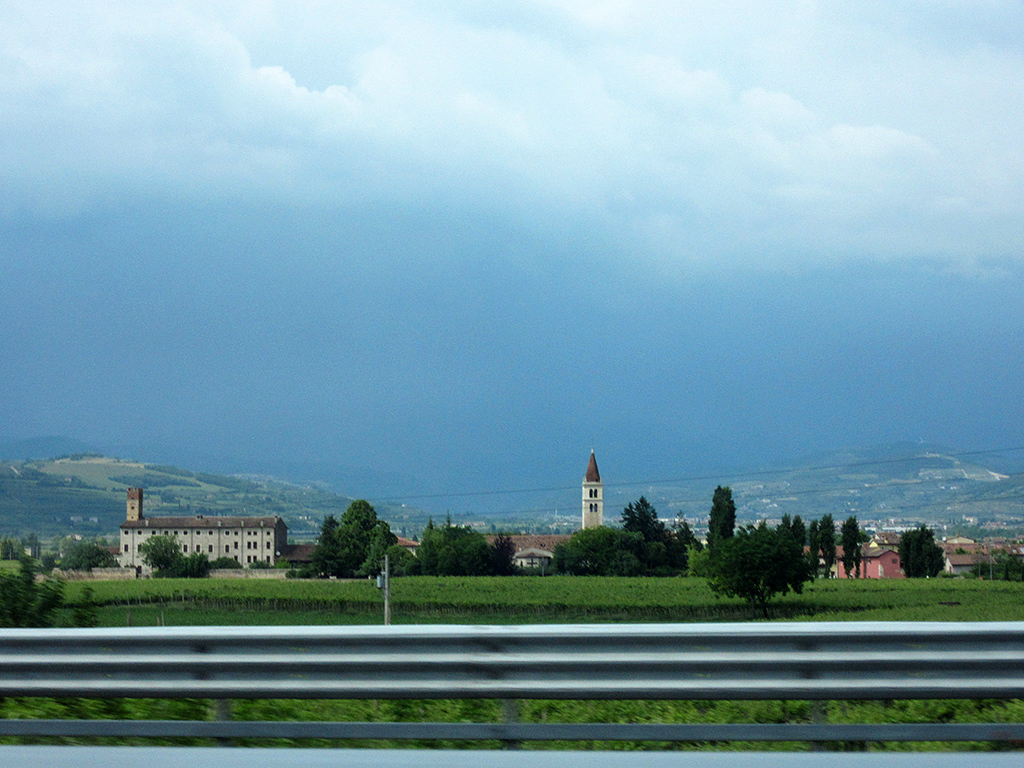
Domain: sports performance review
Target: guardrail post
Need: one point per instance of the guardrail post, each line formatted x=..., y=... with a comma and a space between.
x=817, y=705
x=510, y=715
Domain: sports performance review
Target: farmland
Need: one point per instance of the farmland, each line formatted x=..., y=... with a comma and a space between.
x=478, y=600
x=537, y=600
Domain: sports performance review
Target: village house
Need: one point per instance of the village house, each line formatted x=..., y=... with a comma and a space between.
x=879, y=558
x=960, y=563
x=533, y=550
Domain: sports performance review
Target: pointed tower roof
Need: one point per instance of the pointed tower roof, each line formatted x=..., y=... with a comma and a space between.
x=593, y=476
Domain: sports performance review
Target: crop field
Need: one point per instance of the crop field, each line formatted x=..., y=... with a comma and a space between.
x=476, y=600
x=534, y=600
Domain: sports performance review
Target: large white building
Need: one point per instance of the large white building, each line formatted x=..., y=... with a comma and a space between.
x=245, y=539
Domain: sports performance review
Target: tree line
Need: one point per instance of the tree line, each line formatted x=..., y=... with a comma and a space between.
x=357, y=544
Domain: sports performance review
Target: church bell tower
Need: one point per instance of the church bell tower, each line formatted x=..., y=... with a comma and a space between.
x=134, y=505
x=593, y=496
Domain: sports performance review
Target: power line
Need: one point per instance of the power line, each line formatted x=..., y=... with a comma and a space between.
x=698, y=478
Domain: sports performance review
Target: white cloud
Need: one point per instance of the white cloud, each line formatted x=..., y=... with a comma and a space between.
x=715, y=126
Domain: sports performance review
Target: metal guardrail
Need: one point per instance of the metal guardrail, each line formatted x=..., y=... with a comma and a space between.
x=175, y=757
x=790, y=661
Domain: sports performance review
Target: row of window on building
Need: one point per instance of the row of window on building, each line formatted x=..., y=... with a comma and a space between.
x=153, y=532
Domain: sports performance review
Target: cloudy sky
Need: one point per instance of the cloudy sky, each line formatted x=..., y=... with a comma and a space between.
x=455, y=246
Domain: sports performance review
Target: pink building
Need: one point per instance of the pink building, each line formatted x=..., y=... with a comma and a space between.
x=876, y=562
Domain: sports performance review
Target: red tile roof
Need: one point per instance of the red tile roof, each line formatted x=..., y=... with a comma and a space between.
x=593, y=476
x=522, y=542
x=199, y=521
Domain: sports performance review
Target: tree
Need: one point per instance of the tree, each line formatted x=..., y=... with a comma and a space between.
x=599, y=551
x=813, y=546
x=683, y=543
x=25, y=602
x=662, y=553
x=10, y=549
x=326, y=559
x=757, y=564
x=426, y=552
x=195, y=566
x=355, y=546
x=722, y=519
x=453, y=550
x=685, y=535
x=503, y=556
x=161, y=553
x=920, y=556
x=794, y=528
x=381, y=539
x=640, y=517
x=851, y=539
x=86, y=555
x=401, y=560
x=827, y=543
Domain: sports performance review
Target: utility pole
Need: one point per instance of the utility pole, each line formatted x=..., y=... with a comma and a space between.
x=384, y=584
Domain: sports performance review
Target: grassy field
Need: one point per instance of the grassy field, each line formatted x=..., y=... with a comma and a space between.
x=536, y=600
x=477, y=600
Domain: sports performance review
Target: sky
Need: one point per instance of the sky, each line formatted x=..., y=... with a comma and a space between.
x=430, y=247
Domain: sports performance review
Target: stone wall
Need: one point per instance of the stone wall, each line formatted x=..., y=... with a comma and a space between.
x=97, y=574
x=248, y=573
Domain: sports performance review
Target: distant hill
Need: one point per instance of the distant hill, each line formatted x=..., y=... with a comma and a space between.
x=883, y=486
x=44, y=448
x=85, y=493
x=890, y=486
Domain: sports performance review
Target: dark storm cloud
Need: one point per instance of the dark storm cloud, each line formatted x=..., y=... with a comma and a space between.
x=468, y=245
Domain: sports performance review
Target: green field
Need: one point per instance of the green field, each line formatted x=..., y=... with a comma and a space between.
x=559, y=599
x=535, y=600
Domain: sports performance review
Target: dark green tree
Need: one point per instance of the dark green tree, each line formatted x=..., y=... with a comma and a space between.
x=162, y=554
x=640, y=517
x=10, y=549
x=722, y=518
x=426, y=552
x=682, y=542
x=600, y=551
x=402, y=561
x=794, y=528
x=813, y=547
x=757, y=564
x=86, y=555
x=662, y=554
x=26, y=602
x=1009, y=567
x=685, y=535
x=851, y=538
x=827, y=543
x=453, y=550
x=194, y=566
x=503, y=556
x=327, y=559
x=381, y=539
x=353, y=546
x=920, y=556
